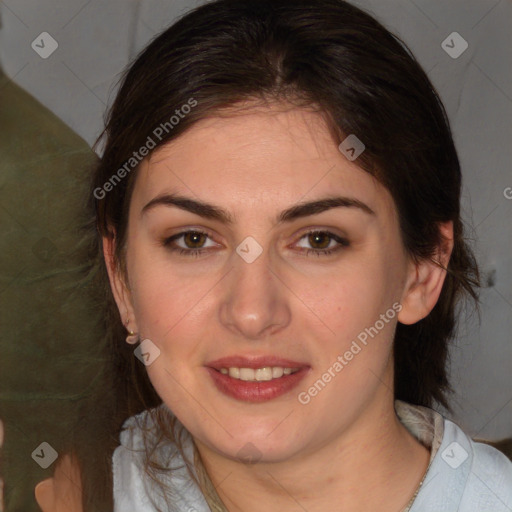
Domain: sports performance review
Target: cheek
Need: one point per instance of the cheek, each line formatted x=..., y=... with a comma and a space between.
x=163, y=298
x=352, y=356
x=170, y=313
x=356, y=317
x=168, y=308
x=351, y=299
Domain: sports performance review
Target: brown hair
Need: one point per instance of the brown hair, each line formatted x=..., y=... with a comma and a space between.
x=324, y=54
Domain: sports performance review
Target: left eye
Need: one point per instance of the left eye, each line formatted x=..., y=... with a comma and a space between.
x=323, y=242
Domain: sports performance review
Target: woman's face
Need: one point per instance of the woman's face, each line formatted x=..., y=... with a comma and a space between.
x=263, y=293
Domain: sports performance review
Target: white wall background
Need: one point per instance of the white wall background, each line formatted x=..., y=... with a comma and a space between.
x=97, y=38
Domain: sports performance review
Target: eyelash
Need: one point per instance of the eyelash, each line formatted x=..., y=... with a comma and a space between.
x=167, y=242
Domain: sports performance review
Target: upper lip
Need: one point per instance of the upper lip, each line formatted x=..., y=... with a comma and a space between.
x=254, y=362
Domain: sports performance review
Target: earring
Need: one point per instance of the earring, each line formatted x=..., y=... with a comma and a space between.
x=132, y=337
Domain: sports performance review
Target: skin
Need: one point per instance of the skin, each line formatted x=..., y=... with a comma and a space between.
x=346, y=446
x=61, y=492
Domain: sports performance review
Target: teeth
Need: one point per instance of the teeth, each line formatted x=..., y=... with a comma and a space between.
x=246, y=374
x=263, y=373
x=234, y=372
x=258, y=374
x=277, y=372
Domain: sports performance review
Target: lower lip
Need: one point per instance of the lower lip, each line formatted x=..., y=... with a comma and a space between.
x=256, y=391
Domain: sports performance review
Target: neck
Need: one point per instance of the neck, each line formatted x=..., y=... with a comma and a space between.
x=376, y=464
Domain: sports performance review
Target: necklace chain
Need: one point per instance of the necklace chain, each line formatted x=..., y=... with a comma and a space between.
x=412, y=500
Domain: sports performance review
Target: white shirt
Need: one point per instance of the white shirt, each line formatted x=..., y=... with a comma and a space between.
x=464, y=476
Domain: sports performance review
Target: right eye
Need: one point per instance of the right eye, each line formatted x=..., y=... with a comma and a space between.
x=193, y=242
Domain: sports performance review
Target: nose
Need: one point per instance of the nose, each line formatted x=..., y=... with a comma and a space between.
x=255, y=300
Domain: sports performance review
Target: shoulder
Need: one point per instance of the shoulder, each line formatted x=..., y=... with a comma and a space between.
x=134, y=430
x=141, y=435
x=490, y=479
x=128, y=468
x=466, y=476
x=134, y=489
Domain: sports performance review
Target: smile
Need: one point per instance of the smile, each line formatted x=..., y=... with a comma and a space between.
x=266, y=373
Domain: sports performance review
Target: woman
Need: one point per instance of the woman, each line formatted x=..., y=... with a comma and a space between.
x=279, y=209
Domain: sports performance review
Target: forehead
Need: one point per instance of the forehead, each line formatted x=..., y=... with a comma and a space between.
x=254, y=157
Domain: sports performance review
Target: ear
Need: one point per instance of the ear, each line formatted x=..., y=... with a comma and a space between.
x=425, y=280
x=118, y=284
x=45, y=495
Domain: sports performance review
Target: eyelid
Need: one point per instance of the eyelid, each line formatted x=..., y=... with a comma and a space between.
x=329, y=234
x=340, y=240
x=320, y=229
x=183, y=232
x=209, y=234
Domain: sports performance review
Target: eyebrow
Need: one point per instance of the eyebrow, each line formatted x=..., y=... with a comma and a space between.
x=210, y=211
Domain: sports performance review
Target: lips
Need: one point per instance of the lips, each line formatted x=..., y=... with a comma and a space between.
x=255, y=391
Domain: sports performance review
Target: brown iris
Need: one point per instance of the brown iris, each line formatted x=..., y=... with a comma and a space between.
x=314, y=238
x=194, y=238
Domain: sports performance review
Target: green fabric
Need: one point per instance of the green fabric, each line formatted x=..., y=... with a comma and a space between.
x=51, y=320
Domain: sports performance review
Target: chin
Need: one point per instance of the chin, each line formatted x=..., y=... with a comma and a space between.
x=251, y=447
